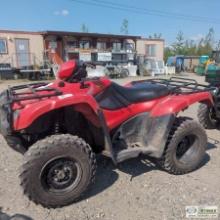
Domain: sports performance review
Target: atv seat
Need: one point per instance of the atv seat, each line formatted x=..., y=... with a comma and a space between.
x=116, y=96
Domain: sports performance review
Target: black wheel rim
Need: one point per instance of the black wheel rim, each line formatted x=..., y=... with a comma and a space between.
x=187, y=149
x=61, y=175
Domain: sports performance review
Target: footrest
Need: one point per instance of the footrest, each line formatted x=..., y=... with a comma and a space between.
x=129, y=153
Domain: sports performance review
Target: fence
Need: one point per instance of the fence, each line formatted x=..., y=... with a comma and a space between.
x=170, y=70
x=24, y=65
x=21, y=60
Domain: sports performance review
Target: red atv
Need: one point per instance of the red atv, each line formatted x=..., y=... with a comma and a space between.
x=61, y=126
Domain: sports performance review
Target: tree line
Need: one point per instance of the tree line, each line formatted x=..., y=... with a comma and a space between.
x=202, y=46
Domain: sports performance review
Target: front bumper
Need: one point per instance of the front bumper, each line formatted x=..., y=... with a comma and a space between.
x=5, y=113
x=6, y=123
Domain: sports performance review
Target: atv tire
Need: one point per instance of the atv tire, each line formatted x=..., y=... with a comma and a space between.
x=57, y=170
x=185, y=148
x=205, y=117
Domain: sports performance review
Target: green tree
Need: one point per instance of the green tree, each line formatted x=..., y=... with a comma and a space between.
x=209, y=41
x=192, y=48
x=157, y=36
x=206, y=44
x=124, y=27
x=189, y=48
x=84, y=28
x=210, y=37
x=168, y=52
x=201, y=47
x=178, y=46
x=218, y=45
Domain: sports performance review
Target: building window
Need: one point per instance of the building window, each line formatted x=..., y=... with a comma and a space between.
x=3, y=46
x=53, y=45
x=119, y=58
x=151, y=50
x=101, y=45
x=94, y=57
x=84, y=44
x=129, y=46
x=72, y=44
x=116, y=46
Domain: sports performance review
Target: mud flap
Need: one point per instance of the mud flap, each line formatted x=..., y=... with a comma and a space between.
x=145, y=132
x=109, y=152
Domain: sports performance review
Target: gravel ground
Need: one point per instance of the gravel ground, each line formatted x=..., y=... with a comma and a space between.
x=136, y=190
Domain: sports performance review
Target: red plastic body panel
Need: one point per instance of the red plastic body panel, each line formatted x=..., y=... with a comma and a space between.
x=73, y=94
x=176, y=103
x=172, y=104
x=115, y=118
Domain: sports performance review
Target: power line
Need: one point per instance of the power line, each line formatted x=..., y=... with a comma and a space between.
x=137, y=10
x=153, y=10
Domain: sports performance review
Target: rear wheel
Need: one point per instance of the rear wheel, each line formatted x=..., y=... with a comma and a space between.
x=185, y=148
x=57, y=170
x=206, y=116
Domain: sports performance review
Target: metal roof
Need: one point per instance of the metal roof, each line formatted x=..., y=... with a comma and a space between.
x=84, y=34
x=80, y=34
x=152, y=39
x=21, y=32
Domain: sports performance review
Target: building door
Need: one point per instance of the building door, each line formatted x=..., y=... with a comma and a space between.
x=22, y=52
x=55, y=51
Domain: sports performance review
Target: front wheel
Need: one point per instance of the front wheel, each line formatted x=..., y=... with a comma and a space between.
x=57, y=170
x=185, y=148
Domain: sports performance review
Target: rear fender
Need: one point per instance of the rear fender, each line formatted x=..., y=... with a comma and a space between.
x=25, y=117
x=148, y=134
x=176, y=103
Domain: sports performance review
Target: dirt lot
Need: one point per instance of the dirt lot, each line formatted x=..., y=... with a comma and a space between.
x=136, y=190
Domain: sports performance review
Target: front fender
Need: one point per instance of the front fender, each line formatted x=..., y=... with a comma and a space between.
x=176, y=103
x=24, y=117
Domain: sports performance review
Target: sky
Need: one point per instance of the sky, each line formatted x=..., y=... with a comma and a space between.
x=145, y=17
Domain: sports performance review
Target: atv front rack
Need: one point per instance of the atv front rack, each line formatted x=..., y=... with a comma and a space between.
x=15, y=94
x=179, y=85
x=31, y=91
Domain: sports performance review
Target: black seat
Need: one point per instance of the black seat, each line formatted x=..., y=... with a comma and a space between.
x=141, y=92
x=116, y=96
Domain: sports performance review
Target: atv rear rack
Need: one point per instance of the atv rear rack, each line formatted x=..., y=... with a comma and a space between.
x=31, y=91
x=179, y=85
